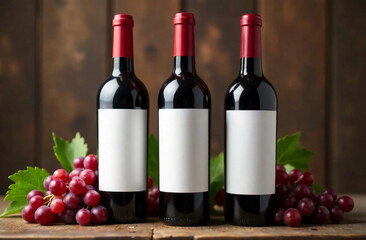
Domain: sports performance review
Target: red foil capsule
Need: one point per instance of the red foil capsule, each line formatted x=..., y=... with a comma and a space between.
x=250, y=46
x=184, y=34
x=122, y=36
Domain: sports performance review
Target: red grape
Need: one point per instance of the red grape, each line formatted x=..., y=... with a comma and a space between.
x=321, y=214
x=152, y=211
x=83, y=217
x=325, y=199
x=34, y=193
x=281, y=177
x=292, y=217
x=61, y=174
x=28, y=214
x=57, y=187
x=91, y=162
x=150, y=182
x=46, y=182
x=68, y=216
x=312, y=193
x=331, y=191
x=306, y=206
x=289, y=201
x=302, y=191
x=78, y=162
x=155, y=193
x=336, y=214
x=277, y=216
x=99, y=214
x=76, y=172
x=294, y=175
x=345, y=203
x=219, y=198
x=36, y=201
x=57, y=206
x=306, y=178
x=88, y=176
x=96, y=182
x=77, y=186
x=281, y=191
x=43, y=215
x=91, y=198
x=90, y=187
x=71, y=200
x=280, y=167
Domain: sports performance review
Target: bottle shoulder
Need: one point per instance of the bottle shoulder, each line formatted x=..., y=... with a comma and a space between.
x=251, y=93
x=125, y=91
x=184, y=91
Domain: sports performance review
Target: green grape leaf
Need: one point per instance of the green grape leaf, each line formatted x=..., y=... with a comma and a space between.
x=24, y=182
x=290, y=154
x=217, y=177
x=66, y=151
x=153, y=159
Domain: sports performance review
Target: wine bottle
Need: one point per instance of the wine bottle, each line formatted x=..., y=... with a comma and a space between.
x=250, y=151
x=123, y=104
x=184, y=128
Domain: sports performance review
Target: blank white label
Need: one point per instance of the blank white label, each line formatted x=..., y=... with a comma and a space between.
x=122, y=139
x=250, y=152
x=183, y=150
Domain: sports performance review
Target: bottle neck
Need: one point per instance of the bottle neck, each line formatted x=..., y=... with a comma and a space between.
x=251, y=66
x=184, y=64
x=250, y=50
x=184, y=60
x=184, y=40
x=122, y=66
x=122, y=42
x=122, y=50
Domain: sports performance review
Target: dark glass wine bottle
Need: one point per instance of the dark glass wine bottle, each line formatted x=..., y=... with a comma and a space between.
x=184, y=133
x=250, y=151
x=122, y=105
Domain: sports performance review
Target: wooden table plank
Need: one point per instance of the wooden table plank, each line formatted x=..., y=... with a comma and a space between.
x=353, y=227
x=16, y=228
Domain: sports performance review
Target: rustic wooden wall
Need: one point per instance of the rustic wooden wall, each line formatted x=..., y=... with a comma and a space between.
x=55, y=55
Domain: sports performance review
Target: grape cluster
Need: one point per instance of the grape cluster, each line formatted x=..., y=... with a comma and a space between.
x=153, y=199
x=297, y=202
x=69, y=198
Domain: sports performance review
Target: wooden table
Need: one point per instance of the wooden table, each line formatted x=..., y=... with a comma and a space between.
x=352, y=227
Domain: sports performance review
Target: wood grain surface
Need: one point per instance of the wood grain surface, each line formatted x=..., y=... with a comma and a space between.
x=353, y=227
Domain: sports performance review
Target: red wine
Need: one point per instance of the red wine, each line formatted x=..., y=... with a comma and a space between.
x=250, y=151
x=123, y=104
x=184, y=127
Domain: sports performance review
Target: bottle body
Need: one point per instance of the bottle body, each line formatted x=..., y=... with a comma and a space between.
x=184, y=132
x=250, y=148
x=122, y=105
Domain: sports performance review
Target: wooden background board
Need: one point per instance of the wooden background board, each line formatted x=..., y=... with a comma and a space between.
x=153, y=45
x=73, y=49
x=217, y=54
x=18, y=91
x=294, y=61
x=348, y=85
x=56, y=55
